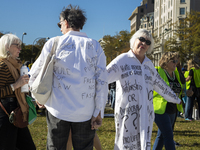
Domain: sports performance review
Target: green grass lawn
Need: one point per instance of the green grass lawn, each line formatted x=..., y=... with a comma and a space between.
x=186, y=133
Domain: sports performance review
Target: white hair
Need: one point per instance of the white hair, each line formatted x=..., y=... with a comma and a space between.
x=139, y=33
x=5, y=42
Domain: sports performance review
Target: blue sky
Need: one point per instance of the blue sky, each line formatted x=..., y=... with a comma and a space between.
x=38, y=18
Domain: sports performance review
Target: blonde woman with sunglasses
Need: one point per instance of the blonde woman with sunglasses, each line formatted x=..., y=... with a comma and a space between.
x=12, y=137
x=165, y=111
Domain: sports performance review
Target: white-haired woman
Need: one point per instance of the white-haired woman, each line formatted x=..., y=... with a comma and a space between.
x=12, y=137
x=136, y=79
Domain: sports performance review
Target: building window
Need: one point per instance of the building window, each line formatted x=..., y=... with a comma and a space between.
x=182, y=11
x=142, y=10
x=164, y=8
x=145, y=25
x=169, y=4
x=182, y=1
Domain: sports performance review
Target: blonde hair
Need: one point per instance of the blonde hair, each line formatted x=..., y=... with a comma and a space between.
x=191, y=63
x=166, y=57
x=139, y=33
x=5, y=42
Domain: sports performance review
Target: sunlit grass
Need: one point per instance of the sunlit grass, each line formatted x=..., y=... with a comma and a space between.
x=186, y=133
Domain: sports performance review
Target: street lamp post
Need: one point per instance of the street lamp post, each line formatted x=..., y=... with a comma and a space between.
x=23, y=37
x=33, y=45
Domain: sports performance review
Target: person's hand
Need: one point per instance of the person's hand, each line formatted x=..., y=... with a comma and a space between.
x=21, y=81
x=96, y=122
x=180, y=103
x=39, y=105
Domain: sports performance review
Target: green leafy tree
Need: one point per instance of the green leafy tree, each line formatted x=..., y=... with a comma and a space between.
x=115, y=45
x=31, y=52
x=38, y=47
x=25, y=54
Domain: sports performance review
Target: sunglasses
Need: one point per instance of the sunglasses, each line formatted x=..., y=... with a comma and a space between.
x=18, y=45
x=59, y=23
x=142, y=39
x=174, y=61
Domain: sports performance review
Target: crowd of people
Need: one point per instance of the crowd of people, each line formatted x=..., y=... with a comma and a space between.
x=139, y=92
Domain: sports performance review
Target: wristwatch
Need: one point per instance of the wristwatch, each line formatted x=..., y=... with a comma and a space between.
x=12, y=87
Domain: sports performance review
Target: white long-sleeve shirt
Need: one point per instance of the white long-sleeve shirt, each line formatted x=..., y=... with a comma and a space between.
x=134, y=113
x=79, y=87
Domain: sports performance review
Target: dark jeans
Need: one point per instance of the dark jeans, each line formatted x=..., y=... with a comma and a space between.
x=189, y=106
x=165, y=131
x=11, y=137
x=58, y=133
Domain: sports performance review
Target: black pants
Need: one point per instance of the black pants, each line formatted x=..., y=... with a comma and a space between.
x=11, y=137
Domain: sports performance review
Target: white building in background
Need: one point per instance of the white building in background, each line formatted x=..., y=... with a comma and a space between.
x=146, y=8
x=164, y=14
x=147, y=22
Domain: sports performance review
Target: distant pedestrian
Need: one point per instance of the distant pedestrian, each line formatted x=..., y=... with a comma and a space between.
x=27, y=63
x=194, y=84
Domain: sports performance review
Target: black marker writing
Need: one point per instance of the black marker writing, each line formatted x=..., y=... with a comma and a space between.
x=124, y=68
x=127, y=87
x=113, y=68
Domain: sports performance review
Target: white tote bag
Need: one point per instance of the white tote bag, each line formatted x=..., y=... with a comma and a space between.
x=42, y=86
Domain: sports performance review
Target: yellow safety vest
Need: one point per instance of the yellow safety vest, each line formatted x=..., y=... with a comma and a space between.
x=159, y=103
x=186, y=74
x=196, y=77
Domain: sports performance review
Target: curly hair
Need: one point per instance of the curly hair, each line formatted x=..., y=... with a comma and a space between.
x=191, y=63
x=166, y=57
x=74, y=16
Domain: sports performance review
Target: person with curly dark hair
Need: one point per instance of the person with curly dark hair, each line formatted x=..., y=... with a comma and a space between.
x=79, y=87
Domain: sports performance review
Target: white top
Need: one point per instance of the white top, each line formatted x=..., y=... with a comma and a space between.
x=134, y=114
x=80, y=87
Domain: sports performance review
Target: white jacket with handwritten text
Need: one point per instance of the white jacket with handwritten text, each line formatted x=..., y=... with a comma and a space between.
x=80, y=83
x=134, y=114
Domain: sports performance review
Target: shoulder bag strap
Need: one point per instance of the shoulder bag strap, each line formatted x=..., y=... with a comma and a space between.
x=4, y=109
x=56, y=40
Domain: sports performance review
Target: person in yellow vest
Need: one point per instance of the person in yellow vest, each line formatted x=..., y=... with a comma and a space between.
x=165, y=112
x=193, y=82
x=182, y=79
